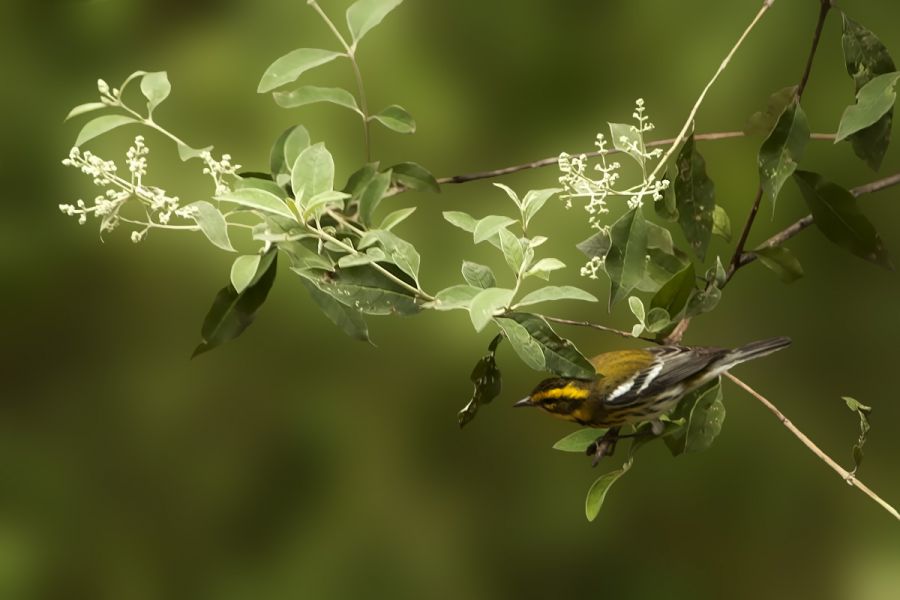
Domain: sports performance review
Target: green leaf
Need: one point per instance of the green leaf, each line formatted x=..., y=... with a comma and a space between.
x=186, y=153
x=627, y=254
x=596, y=245
x=658, y=319
x=866, y=57
x=781, y=261
x=489, y=226
x=293, y=64
x=372, y=195
x=674, y=295
x=101, y=125
x=401, y=253
x=295, y=143
x=243, y=270
x=212, y=224
x=637, y=309
x=156, y=88
x=512, y=250
x=763, y=122
x=863, y=411
x=694, y=197
x=486, y=304
x=535, y=200
x=84, y=108
x=277, y=159
x=478, y=275
x=313, y=172
x=363, y=15
x=721, y=224
x=349, y=320
x=322, y=201
x=257, y=183
x=666, y=207
x=304, y=259
x=360, y=178
x=554, y=292
x=486, y=379
x=396, y=217
x=873, y=102
x=415, y=177
x=232, y=312
x=627, y=139
x=704, y=413
x=659, y=238
x=258, y=200
x=366, y=290
x=312, y=94
x=511, y=193
x=597, y=492
x=525, y=346
x=395, y=118
x=453, y=297
x=660, y=268
x=561, y=355
x=703, y=301
x=578, y=441
x=464, y=221
x=544, y=267
x=837, y=216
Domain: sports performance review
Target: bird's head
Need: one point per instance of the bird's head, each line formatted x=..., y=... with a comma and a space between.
x=559, y=396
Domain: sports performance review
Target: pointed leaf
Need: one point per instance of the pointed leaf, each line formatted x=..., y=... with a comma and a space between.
x=486, y=379
x=561, y=355
x=578, y=441
x=464, y=221
x=363, y=15
x=721, y=224
x=243, y=270
x=781, y=261
x=278, y=162
x=318, y=204
x=349, y=320
x=626, y=258
x=597, y=492
x=415, y=177
x=156, y=88
x=259, y=200
x=486, y=304
x=311, y=94
x=396, y=118
x=478, y=275
x=763, y=122
x=837, y=216
x=512, y=249
x=400, y=252
x=366, y=290
x=525, y=346
x=782, y=150
x=293, y=64
x=85, y=108
x=212, y=223
x=873, y=102
x=372, y=195
x=595, y=246
x=489, y=226
x=396, y=217
x=554, y=292
x=544, y=267
x=453, y=297
x=694, y=197
x=535, y=200
x=627, y=139
x=674, y=295
x=101, y=125
x=706, y=419
x=313, y=172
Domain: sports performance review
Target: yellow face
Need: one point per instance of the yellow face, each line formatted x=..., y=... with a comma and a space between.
x=562, y=398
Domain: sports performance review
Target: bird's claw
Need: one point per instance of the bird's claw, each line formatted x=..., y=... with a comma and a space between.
x=604, y=445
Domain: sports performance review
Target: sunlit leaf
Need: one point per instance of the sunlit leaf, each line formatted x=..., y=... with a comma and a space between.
x=311, y=94
x=464, y=221
x=313, y=172
x=578, y=441
x=318, y=204
x=488, y=227
x=85, y=108
x=212, y=223
x=156, y=88
x=597, y=492
x=486, y=304
x=560, y=354
x=535, y=200
x=781, y=261
x=525, y=346
x=456, y=296
x=873, y=101
x=293, y=64
x=837, y=216
x=626, y=138
x=277, y=156
x=554, y=292
x=363, y=15
x=396, y=217
x=257, y=183
x=478, y=275
x=401, y=253
x=243, y=270
x=544, y=267
x=512, y=249
x=721, y=224
x=694, y=197
x=259, y=200
x=101, y=125
x=395, y=118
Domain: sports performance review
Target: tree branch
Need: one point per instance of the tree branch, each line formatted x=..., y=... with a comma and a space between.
x=846, y=475
x=619, y=332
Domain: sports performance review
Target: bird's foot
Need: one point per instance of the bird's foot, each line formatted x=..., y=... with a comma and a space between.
x=604, y=445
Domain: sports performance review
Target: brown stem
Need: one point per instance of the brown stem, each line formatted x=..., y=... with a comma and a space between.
x=619, y=332
x=552, y=160
x=824, y=7
x=745, y=233
x=846, y=475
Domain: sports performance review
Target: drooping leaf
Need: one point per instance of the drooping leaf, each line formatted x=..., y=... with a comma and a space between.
x=394, y=218
x=455, y=297
x=561, y=355
x=866, y=57
x=486, y=379
x=156, y=88
x=674, y=295
x=395, y=118
x=578, y=441
x=597, y=492
x=101, y=125
x=243, y=270
x=863, y=411
x=721, y=224
x=313, y=172
x=363, y=15
x=627, y=253
x=415, y=177
x=372, y=195
x=781, y=152
x=486, y=304
x=312, y=94
x=781, y=261
x=555, y=292
x=694, y=197
x=596, y=245
x=231, y=313
x=258, y=200
x=837, y=216
x=348, y=319
x=478, y=275
x=873, y=101
x=704, y=413
x=212, y=223
x=464, y=221
x=303, y=258
x=525, y=346
x=763, y=122
x=293, y=64
x=367, y=290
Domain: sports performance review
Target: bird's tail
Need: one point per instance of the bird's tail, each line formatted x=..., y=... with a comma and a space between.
x=756, y=350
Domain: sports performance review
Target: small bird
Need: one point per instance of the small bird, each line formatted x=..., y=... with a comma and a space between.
x=634, y=386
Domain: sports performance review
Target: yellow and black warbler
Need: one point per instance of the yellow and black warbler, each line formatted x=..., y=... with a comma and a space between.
x=634, y=386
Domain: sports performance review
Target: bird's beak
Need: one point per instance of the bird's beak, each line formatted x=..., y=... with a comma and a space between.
x=523, y=402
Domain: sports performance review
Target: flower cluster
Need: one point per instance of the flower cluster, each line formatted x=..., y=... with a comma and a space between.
x=218, y=170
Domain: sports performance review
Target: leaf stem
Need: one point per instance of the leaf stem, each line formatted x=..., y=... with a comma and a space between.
x=351, y=54
x=846, y=475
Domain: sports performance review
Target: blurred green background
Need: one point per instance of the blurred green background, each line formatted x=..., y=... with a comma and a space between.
x=296, y=463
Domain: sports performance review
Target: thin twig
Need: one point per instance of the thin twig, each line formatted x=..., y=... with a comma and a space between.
x=790, y=231
x=846, y=475
x=619, y=332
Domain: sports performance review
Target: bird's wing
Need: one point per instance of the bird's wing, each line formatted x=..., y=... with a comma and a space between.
x=670, y=365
